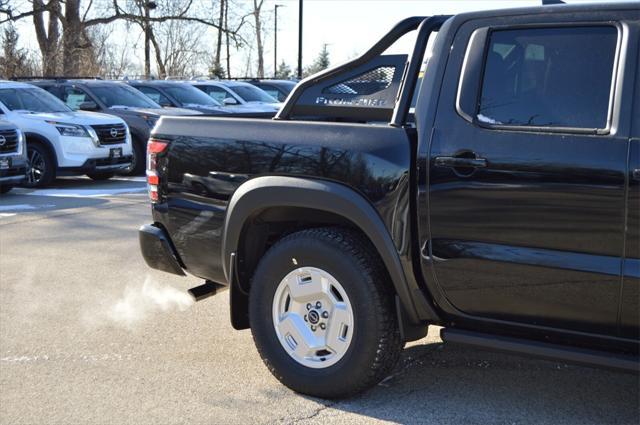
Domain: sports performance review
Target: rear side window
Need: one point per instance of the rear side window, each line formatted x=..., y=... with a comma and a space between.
x=155, y=95
x=216, y=93
x=549, y=77
x=273, y=92
x=74, y=97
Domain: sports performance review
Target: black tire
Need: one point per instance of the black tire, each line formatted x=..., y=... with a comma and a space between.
x=138, y=160
x=100, y=175
x=5, y=189
x=41, y=169
x=376, y=344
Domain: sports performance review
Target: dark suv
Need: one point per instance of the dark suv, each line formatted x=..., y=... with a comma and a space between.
x=178, y=94
x=278, y=89
x=114, y=98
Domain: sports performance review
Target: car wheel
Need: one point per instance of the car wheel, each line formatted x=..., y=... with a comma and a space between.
x=138, y=159
x=5, y=189
x=100, y=176
x=322, y=314
x=40, y=166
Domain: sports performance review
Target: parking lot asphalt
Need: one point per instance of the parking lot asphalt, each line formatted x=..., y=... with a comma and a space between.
x=90, y=335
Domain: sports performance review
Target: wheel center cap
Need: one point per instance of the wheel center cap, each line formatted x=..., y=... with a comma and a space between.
x=314, y=317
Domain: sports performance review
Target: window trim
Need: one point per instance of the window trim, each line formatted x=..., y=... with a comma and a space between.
x=615, y=77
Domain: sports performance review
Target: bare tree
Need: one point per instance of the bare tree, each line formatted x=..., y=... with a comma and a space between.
x=48, y=35
x=217, y=66
x=257, y=7
x=75, y=21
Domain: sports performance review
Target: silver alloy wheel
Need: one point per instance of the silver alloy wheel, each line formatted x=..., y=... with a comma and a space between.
x=36, y=166
x=313, y=317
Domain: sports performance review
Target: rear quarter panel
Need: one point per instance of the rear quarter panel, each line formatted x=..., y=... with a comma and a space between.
x=209, y=158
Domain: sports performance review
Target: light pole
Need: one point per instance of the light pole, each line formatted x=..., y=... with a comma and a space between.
x=275, y=41
x=299, y=39
x=148, y=6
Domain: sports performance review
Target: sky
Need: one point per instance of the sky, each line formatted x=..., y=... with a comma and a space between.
x=348, y=27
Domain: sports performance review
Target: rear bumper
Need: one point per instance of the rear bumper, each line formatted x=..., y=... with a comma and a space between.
x=158, y=251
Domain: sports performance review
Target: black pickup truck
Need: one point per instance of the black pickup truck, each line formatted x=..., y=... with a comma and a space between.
x=504, y=207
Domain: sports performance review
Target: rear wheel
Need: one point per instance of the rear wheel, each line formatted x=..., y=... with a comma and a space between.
x=100, y=176
x=40, y=166
x=322, y=314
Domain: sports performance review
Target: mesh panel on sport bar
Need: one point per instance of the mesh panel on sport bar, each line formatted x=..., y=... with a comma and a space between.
x=368, y=83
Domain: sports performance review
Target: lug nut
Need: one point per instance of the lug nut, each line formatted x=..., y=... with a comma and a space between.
x=313, y=328
x=325, y=314
x=308, y=306
x=318, y=304
x=305, y=318
x=323, y=326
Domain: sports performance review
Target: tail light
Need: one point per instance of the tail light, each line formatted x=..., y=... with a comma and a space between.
x=154, y=147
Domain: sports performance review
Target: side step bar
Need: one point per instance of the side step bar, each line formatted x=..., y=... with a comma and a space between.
x=542, y=350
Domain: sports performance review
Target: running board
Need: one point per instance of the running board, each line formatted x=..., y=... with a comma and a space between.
x=542, y=350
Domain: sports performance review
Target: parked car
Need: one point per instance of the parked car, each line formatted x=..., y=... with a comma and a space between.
x=507, y=213
x=177, y=94
x=233, y=93
x=278, y=89
x=61, y=141
x=114, y=98
x=13, y=157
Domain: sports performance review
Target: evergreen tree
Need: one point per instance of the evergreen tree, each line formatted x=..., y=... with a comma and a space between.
x=14, y=61
x=284, y=71
x=322, y=62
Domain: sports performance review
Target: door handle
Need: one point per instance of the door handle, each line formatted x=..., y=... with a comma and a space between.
x=460, y=162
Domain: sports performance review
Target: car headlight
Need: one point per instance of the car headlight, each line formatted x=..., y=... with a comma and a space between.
x=71, y=130
x=21, y=142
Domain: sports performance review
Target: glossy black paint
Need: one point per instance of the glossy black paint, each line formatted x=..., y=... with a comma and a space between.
x=538, y=239
x=535, y=234
x=202, y=172
x=157, y=250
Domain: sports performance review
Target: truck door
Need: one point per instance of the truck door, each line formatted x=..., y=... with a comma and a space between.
x=527, y=176
x=630, y=302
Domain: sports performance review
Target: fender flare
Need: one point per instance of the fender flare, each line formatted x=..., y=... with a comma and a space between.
x=42, y=139
x=266, y=192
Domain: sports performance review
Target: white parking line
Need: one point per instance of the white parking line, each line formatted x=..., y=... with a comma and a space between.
x=21, y=208
x=17, y=207
x=85, y=193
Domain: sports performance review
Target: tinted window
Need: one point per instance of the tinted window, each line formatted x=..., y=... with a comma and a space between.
x=31, y=99
x=188, y=95
x=550, y=77
x=73, y=97
x=155, y=95
x=272, y=91
x=251, y=93
x=217, y=93
x=119, y=95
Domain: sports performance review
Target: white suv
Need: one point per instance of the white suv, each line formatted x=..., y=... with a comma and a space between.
x=61, y=141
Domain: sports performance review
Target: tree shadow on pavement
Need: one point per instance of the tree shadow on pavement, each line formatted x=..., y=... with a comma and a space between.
x=445, y=383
